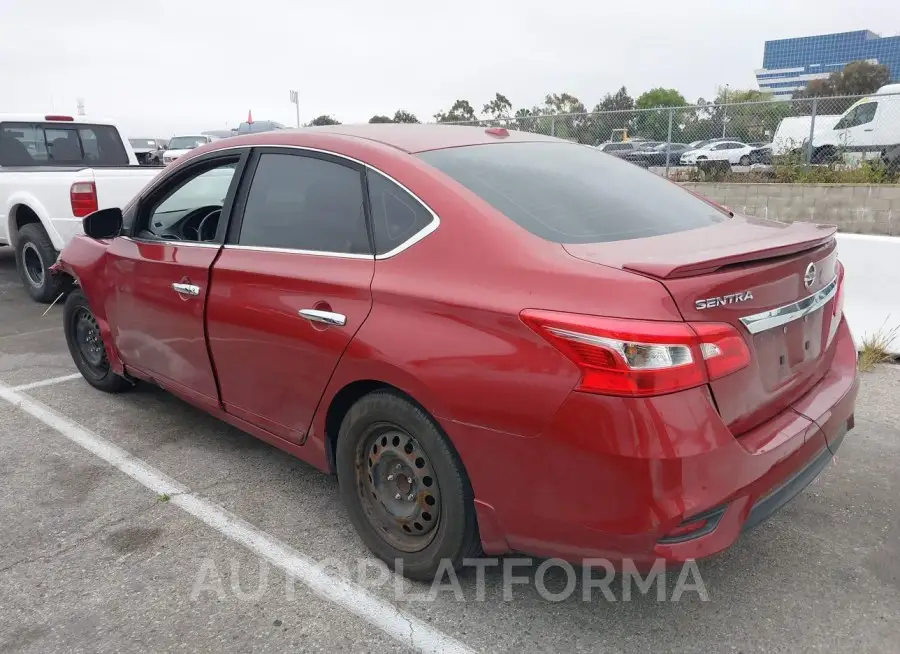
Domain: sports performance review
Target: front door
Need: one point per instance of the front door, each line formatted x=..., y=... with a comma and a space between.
x=161, y=274
x=290, y=288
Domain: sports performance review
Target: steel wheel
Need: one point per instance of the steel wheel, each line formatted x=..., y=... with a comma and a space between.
x=33, y=264
x=89, y=344
x=398, y=488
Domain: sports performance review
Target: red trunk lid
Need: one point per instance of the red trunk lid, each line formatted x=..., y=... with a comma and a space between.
x=755, y=270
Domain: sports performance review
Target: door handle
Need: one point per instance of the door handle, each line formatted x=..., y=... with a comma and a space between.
x=324, y=317
x=186, y=289
x=871, y=129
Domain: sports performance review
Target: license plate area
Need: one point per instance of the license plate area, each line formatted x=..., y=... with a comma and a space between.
x=789, y=350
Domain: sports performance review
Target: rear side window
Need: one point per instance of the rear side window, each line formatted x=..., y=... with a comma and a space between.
x=396, y=215
x=569, y=193
x=305, y=203
x=61, y=144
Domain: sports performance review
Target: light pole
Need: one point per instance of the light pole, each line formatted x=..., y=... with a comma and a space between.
x=295, y=99
x=724, y=109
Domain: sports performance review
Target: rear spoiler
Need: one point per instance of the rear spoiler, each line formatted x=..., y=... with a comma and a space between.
x=720, y=251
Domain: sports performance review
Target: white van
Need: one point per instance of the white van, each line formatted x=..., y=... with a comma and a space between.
x=793, y=132
x=871, y=125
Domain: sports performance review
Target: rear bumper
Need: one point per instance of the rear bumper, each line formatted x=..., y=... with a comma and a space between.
x=613, y=477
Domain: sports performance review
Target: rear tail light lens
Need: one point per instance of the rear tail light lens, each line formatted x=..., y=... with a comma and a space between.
x=723, y=349
x=83, y=196
x=839, y=296
x=641, y=358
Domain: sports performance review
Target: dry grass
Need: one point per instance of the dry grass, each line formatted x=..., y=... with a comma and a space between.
x=876, y=348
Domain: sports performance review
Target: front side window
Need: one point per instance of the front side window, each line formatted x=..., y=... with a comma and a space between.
x=300, y=202
x=570, y=193
x=859, y=115
x=191, y=211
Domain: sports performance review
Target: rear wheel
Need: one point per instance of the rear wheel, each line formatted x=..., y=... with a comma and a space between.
x=745, y=160
x=34, y=256
x=404, y=487
x=86, y=345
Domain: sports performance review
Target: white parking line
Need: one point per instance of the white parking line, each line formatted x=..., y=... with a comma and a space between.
x=32, y=333
x=389, y=618
x=46, y=382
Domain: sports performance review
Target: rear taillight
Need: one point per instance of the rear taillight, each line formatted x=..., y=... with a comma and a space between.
x=839, y=296
x=83, y=196
x=640, y=357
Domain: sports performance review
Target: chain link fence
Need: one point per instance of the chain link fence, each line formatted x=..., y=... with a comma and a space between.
x=846, y=132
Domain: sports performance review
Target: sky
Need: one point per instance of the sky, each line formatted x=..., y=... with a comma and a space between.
x=162, y=67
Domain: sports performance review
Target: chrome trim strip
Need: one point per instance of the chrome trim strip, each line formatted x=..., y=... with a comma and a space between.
x=186, y=289
x=324, y=317
x=412, y=240
x=315, y=253
x=163, y=241
x=760, y=322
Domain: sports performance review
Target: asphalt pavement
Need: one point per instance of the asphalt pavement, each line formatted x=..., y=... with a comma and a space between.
x=137, y=523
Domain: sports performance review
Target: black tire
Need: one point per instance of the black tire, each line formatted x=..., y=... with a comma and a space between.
x=744, y=161
x=824, y=155
x=454, y=537
x=34, y=256
x=90, y=357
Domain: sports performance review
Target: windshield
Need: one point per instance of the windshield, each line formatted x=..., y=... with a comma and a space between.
x=142, y=143
x=569, y=193
x=187, y=142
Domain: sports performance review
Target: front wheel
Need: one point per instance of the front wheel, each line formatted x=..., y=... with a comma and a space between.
x=404, y=486
x=745, y=160
x=86, y=345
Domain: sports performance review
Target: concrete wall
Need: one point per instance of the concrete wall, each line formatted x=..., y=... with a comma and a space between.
x=871, y=301
x=854, y=208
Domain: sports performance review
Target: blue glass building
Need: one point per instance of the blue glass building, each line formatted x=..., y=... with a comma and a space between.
x=788, y=64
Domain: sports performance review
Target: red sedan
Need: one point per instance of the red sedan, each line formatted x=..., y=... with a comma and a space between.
x=498, y=341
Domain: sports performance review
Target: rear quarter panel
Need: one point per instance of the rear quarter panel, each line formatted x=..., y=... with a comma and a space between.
x=445, y=326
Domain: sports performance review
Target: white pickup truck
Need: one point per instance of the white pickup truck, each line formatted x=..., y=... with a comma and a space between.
x=54, y=170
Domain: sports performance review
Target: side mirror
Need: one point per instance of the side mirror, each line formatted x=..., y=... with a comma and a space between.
x=105, y=223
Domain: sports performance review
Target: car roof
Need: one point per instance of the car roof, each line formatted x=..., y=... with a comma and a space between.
x=42, y=118
x=407, y=137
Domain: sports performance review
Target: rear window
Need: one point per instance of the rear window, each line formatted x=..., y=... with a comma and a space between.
x=568, y=193
x=60, y=144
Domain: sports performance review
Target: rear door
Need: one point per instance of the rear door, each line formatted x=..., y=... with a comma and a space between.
x=291, y=287
x=160, y=275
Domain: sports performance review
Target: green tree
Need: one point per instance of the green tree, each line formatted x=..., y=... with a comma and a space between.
x=655, y=124
x=322, y=120
x=856, y=78
x=499, y=108
x=380, y=119
x=461, y=111
x=569, y=117
x=750, y=115
x=402, y=116
x=619, y=101
x=614, y=112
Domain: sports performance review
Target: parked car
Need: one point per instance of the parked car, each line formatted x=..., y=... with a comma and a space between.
x=498, y=341
x=869, y=126
x=620, y=149
x=734, y=152
x=258, y=126
x=180, y=145
x=657, y=155
x=761, y=155
x=54, y=170
x=145, y=150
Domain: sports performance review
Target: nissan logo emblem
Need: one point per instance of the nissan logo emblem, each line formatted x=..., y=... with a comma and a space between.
x=809, y=277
